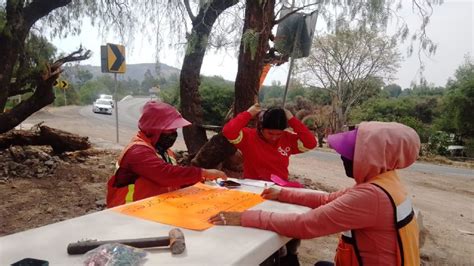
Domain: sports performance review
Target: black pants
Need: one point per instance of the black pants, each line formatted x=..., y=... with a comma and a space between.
x=324, y=263
x=288, y=259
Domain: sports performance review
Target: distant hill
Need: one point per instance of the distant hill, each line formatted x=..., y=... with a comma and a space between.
x=134, y=71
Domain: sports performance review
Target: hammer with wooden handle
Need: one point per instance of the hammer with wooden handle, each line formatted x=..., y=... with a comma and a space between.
x=175, y=240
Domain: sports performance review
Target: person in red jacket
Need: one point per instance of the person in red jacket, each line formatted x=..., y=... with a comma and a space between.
x=375, y=216
x=147, y=166
x=266, y=149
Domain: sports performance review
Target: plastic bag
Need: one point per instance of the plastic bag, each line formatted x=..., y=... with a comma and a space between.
x=115, y=254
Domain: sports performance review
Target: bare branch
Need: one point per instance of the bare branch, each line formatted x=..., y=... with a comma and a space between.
x=276, y=21
x=188, y=9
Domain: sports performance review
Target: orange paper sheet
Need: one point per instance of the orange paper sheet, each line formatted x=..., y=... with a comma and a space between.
x=190, y=207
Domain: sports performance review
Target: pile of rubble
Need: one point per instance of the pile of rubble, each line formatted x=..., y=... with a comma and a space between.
x=27, y=162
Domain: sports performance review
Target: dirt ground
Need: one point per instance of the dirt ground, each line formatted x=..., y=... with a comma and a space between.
x=73, y=184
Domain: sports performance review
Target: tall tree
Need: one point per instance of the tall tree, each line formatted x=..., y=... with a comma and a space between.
x=255, y=45
x=191, y=103
x=345, y=64
x=19, y=71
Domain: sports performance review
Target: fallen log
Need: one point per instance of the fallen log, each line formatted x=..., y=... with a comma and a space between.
x=61, y=141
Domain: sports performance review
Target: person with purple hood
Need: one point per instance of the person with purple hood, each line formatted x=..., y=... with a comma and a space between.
x=147, y=166
x=375, y=216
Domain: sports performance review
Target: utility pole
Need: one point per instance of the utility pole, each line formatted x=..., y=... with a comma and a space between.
x=288, y=78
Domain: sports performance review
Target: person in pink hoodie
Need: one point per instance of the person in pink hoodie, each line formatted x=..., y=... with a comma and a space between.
x=375, y=215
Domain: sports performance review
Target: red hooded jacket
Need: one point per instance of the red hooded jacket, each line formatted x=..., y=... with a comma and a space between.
x=142, y=172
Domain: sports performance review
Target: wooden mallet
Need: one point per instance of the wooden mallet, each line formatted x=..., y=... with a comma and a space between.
x=175, y=240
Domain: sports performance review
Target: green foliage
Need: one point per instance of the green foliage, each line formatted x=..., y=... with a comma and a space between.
x=426, y=90
x=469, y=144
x=250, y=40
x=295, y=92
x=416, y=112
x=83, y=76
x=2, y=18
x=393, y=90
x=93, y=88
x=67, y=96
x=309, y=122
x=271, y=92
x=217, y=97
x=148, y=82
x=458, y=102
x=171, y=95
x=438, y=143
x=319, y=96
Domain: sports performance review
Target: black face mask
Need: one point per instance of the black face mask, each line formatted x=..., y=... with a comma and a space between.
x=348, y=166
x=165, y=141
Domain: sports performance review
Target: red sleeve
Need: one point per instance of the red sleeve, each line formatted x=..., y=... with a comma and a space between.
x=233, y=130
x=146, y=163
x=357, y=208
x=304, y=140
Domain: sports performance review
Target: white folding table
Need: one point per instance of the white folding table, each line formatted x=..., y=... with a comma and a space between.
x=218, y=245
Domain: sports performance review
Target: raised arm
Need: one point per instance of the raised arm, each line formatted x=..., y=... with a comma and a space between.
x=233, y=129
x=304, y=140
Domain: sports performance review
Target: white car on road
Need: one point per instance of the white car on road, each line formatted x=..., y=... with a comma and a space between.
x=102, y=106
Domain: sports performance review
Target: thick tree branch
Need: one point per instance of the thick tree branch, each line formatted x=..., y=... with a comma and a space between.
x=41, y=8
x=43, y=92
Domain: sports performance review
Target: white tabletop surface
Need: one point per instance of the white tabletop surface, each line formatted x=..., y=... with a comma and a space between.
x=218, y=245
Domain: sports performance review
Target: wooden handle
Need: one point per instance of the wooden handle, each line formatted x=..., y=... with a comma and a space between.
x=83, y=247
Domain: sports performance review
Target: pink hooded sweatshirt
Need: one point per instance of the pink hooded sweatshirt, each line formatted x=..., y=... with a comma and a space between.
x=379, y=147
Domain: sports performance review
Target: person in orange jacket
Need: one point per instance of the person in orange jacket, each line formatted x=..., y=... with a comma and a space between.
x=375, y=216
x=147, y=166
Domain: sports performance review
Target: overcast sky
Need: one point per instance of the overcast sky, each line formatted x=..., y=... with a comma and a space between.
x=451, y=27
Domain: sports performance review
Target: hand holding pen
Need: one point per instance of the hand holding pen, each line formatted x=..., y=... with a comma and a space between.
x=270, y=193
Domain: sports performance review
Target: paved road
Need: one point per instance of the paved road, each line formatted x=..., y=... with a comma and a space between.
x=419, y=167
x=130, y=110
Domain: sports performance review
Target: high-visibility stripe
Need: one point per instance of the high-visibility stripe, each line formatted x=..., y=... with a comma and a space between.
x=404, y=209
x=131, y=191
x=173, y=160
x=117, y=166
x=238, y=139
x=347, y=233
x=301, y=146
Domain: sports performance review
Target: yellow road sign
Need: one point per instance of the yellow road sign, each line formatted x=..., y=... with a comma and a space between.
x=62, y=84
x=116, y=58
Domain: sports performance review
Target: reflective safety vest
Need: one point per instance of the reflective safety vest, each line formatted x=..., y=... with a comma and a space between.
x=140, y=188
x=408, y=252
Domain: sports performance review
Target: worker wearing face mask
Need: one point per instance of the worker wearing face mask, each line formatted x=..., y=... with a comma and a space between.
x=147, y=166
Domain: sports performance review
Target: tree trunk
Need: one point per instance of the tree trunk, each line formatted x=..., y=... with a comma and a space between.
x=59, y=140
x=259, y=20
x=20, y=17
x=191, y=108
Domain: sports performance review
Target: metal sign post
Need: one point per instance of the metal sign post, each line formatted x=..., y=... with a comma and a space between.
x=295, y=34
x=65, y=99
x=116, y=108
x=113, y=61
